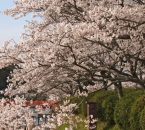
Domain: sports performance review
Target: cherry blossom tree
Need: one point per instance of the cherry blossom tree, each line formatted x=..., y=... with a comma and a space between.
x=16, y=114
x=75, y=45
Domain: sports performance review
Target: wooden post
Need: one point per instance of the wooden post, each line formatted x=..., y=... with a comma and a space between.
x=92, y=112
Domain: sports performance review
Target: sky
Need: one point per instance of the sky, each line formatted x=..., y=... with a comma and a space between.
x=9, y=27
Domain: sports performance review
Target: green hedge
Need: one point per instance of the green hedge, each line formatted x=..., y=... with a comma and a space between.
x=142, y=119
x=62, y=127
x=123, y=108
x=108, y=106
x=136, y=112
x=96, y=97
x=99, y=97
x=101, y=125
x=116, y=127
x=82, y=106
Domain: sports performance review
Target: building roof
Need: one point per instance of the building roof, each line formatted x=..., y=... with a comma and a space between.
x=44, y=103
x=34, y=103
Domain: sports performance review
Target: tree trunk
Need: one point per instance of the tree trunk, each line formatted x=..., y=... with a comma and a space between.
x=118, y=87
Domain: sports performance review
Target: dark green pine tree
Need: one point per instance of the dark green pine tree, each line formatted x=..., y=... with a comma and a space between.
x=4, y=73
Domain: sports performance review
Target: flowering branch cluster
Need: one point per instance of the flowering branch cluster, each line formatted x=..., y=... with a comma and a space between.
x=76, y=45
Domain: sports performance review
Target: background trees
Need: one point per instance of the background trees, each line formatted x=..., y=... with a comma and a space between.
x=4, y=73
x=74, y=46
x=77, y=45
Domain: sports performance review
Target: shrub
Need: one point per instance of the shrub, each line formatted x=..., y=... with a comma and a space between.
x=80, y=126
x=109, y=106
x=99, y=97
x=126, y=91
x=116, y=127
x=136, y=112
x=101, y=125
x=122, y=109
x=142, y=119
x=96, y=97
x=62, y=127
x=82, y=106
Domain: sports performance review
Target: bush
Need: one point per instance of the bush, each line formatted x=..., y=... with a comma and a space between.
x=136, y=112
x=109, y=106
x=142, y=119
x=99, y=97
x=62, y=127
x=96, y=97
x=126, y=91
x=82, y=106
x=101, y=125
x=76, y=125
x=80, y=126
x=123, y=108
x=116, y=127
